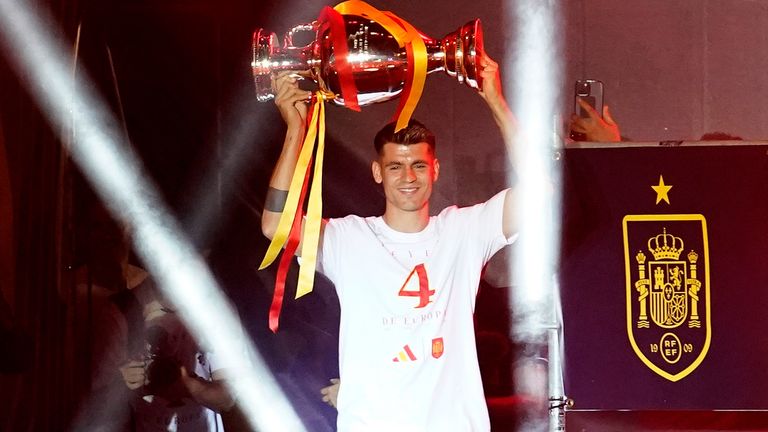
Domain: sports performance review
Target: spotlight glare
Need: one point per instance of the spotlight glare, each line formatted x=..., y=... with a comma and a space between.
x=536, y=65
x=117, y=176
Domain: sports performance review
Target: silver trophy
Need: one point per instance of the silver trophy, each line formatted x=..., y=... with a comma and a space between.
x=379, y=66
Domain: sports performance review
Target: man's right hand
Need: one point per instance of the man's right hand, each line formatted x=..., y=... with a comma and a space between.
x=290, y=99
x=134, y=374
x=292, y=103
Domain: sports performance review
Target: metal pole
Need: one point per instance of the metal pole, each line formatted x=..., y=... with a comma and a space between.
x=558, y=401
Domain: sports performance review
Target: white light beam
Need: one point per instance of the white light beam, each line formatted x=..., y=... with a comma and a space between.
x=117, y=176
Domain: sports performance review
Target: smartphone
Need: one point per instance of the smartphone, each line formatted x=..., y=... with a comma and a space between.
x=590, y=91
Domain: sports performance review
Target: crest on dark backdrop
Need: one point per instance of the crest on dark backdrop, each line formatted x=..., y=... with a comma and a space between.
x=668, y=298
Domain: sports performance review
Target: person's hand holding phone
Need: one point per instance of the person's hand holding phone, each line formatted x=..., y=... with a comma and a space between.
x=593, y=127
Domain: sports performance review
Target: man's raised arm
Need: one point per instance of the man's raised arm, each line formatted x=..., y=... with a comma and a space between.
x=493, y=96
x=291, y=101
x=507, y=123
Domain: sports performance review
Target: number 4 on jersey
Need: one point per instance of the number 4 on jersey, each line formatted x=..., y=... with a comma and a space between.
x=424, y=293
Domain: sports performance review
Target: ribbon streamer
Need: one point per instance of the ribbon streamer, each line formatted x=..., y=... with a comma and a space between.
x=417, y=74
x=313, y=224
x=289, y=229
x=285, y=262
x=332, y=19
x=292, y=207
x=406, y=36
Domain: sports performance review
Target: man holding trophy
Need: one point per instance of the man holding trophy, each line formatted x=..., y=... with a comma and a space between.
x=406, y=281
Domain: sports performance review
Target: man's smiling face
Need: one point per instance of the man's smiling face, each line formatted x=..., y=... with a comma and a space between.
x=406, y=172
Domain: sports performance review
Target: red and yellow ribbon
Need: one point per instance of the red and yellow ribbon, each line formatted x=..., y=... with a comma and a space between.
x=333, y=21
x=406, y=36
x=289, y=228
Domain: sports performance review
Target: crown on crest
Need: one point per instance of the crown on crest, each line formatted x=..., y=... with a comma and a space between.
x=665, y=246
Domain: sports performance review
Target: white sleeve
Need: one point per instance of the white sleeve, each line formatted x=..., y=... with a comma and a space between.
x=486, y=222
x=326, y=256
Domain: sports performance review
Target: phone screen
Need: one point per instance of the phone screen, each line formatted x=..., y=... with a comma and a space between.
x=591, y=92
x=588, y=99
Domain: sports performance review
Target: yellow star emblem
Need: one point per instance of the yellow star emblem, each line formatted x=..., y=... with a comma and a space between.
x=662, y=190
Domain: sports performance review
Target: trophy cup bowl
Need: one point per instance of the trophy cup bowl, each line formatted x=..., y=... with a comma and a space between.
x=379, y=65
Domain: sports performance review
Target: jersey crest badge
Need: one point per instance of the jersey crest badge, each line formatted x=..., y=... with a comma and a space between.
x=437, y=347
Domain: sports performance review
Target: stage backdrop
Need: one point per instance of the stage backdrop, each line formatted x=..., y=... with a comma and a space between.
x=664, y=276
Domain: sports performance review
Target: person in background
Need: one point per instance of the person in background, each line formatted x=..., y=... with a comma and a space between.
x=175, y=384
x=146, y=372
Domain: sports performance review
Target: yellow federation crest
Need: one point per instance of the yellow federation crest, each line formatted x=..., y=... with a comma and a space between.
x=668, y=302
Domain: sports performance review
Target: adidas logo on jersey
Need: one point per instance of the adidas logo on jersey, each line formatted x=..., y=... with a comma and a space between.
x=405, y=355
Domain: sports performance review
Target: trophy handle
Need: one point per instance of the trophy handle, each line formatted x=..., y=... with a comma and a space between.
x=462, y=50
x=269, y=58
x=472, y=36
x=264, y=45
x=288, y=37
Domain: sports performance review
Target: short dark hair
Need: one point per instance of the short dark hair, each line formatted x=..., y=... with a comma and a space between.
x=414, y=133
